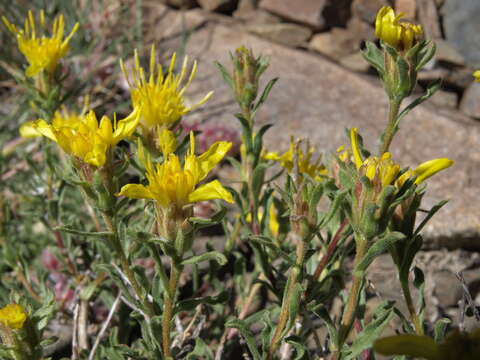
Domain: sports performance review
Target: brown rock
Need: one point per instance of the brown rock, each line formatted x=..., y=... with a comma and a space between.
x=470, y=103
x=447, y=288
x=308, y=12
x=447, y=53
x=408, y=7
x=336, y=43
x=286, y=34
x=445, y=98
x=256, y=16
x=217, y=5
x=428, y=17
x=355, y=62
x=317, y=99
x=367, y=9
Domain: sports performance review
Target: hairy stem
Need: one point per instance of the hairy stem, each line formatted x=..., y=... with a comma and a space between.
x=168, y=306
x=411, y=308
x=294, y=275
x=390, y=130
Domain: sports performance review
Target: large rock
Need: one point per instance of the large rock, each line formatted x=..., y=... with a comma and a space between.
x=367, y=9
x=287, y=34
x=462, y=26
x=317, y=99
x=470, y=103
x=304, y=11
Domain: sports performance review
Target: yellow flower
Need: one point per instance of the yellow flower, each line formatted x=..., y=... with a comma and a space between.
x=387, y=170
x=306, y=165
x=82, y=136
x=160, y=98
x=382, y=168
x=169, y=184
x=476, y=74
x=42, y=52
x=400, y=35
x=13, y=316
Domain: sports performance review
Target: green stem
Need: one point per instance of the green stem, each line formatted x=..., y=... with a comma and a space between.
x=117, y=246
x=352, y=303
x=391, y=127
x=285, y=310
x=168, y=305
x=411, y=308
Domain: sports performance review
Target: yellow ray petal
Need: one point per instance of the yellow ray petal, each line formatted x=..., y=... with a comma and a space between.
x=355, y=148
x=212, y=157
x=430, y=168
x=135, y=191
x=210, y=191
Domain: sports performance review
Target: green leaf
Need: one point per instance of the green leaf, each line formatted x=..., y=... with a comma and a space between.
x=409, y=345
x=334, y=207
x=440, y=329
x=296, y=296
x=226, y=76
x=425, y=55
x=301, y=351
x=201, y=351
x=208, y=256
x=84, y=233
x=374, y=56
x=191, y=304
x=430, y=214
x=380, y=246
x=200, y=223
x=265, y=94
x=383, y=315
x=248, y=336
x=432, y=89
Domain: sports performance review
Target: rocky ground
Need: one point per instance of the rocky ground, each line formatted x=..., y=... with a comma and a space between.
x=325, y=85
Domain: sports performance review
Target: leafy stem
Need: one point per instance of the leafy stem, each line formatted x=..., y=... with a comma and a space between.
x=392, y=126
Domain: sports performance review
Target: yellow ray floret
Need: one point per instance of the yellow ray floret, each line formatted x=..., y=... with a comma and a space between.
x=400, y=35
x=83, y=136
x=169, y=184
x=160, y=96
x=42, y=52
x=13, y=316
x=305, y=162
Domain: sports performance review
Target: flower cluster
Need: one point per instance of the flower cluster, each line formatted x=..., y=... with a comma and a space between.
x=42, y=52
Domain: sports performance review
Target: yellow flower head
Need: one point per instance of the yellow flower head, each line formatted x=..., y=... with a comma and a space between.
x=167, y=141
x=83, y=136
x=160, y=98
x=382, y=169
x=476, y=74
x=387, y=171
x=13, y=316
x=42, y=52
x=169, y=184
x=305, y=163
x=400, y=35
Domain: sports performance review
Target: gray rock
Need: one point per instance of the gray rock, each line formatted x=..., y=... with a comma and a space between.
x=336, y=43
x=286, y=34
x=445, y=98
x=303, y=11
x=367, y=9
x=317, y=99
x=355, y=62
x=462, y=28
x=470, y=103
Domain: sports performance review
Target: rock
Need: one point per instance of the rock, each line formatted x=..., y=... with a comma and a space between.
x=218, y=5
x=461, y=25
x=355, y=62
x=367, y=9
x=408, y=7
x=308, y=12
x=169, y=23
x=317, y=99
x=447, y=53
x=470, y=103
x=247, y=12
x=286, y=34
x=447, y=288
x=336, y=43
x=428, y=17
x=458, y=78
x=445, y=99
